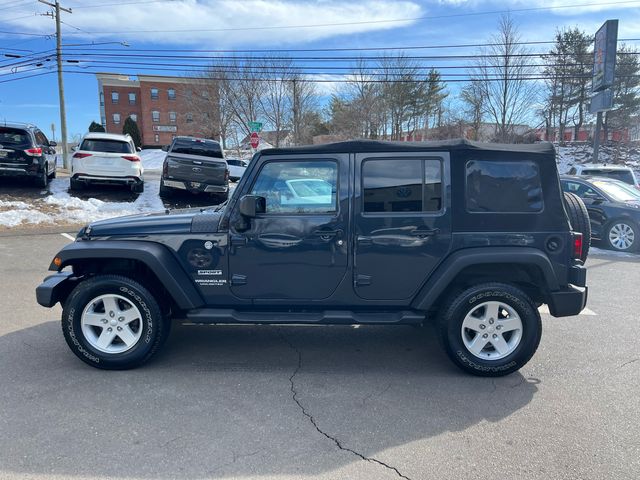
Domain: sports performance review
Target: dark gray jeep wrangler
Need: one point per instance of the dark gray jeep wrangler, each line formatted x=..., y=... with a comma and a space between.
x=473, y=236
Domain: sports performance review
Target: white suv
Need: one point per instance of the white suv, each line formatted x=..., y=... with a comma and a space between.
x=617, y=172
x=107, y=158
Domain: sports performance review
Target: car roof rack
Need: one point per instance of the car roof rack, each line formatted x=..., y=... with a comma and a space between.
x=6, y=123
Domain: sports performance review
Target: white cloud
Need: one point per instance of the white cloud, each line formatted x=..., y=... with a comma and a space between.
x=188, y=20
x=556, y=7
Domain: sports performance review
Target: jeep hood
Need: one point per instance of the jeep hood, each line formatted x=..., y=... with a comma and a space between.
x=169, y=222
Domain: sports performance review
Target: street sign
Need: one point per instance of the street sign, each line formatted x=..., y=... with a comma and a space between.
x=255, y=140
x=604, y=56
x=601, y=101
x=255, y=127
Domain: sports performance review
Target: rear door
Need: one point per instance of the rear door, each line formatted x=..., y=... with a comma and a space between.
x=402, y=221
x=298, y=250
x=13, y=143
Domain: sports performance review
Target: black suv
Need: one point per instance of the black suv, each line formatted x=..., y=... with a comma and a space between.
x=195, y=165
x=473, y=236
x=25, y=151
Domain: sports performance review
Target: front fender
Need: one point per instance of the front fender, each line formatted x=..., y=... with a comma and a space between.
x=155, y=256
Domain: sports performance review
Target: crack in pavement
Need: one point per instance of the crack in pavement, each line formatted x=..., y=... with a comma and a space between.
x=313, y=421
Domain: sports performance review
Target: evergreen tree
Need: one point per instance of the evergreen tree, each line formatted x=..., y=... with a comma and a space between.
x=131, y=127
x=96, y=127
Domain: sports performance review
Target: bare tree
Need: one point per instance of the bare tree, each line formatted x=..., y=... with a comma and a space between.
x=472, y=96
x=502, y=69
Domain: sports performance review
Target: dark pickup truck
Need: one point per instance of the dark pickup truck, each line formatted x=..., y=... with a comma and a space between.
x=474, y=237
x=195, y=165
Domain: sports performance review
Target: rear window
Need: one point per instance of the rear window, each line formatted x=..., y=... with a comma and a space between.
x=14, y=137
x=197, y=147
x=622, y=175
x=503, y=187
x=106, y=146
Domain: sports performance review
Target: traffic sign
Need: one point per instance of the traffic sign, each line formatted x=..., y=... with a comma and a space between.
x=255, y=140
x=255, y=126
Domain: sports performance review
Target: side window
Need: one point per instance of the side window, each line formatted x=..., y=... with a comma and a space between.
x=298, y=187
x=401, y=186
x=41, y=139
x=503, y=187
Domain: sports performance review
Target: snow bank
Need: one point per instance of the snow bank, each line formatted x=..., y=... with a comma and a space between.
x=152, y=158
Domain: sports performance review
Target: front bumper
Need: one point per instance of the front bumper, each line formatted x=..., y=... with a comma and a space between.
x=54, y=288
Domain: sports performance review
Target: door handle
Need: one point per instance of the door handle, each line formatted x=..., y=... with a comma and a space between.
x=423, y=233
x=327, y=235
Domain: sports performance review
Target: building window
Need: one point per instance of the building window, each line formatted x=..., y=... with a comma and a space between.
x=132, y=98
x=116, y=118
x=101, y=99
x=187, y=93
x=154, y=94
x=103, y=121
x=156, y=137
x=189, y=117
x=133, y=117
x=155, y=115
x=115, y=97
x=205, y=94
x=171, y=93
x=172, y=117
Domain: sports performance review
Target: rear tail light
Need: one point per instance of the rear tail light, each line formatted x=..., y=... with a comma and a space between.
x=131, y=158
x=34, y=152
x=577, y=245
x=81, y=155
x=226, y=175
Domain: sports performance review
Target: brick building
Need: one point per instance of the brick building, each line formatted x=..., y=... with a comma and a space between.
x=163, y=107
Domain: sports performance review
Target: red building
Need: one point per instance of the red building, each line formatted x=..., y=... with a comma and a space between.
x=163, y=107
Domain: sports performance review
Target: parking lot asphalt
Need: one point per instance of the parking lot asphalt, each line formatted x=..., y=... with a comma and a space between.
x=268, y=402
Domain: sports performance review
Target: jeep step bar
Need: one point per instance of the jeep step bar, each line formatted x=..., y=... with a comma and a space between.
x=337, y=317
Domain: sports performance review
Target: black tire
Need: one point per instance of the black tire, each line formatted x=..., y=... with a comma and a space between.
x=152, y=324
x=579, y=220
x=137, y=187
x=455, y=310
x=42, y=180
x=76, y=185
x=165, y=192
x=627, y=224
x=53, y=174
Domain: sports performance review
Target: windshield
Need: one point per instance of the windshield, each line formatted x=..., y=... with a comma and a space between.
x=618, y=191
x=197, y=147
x=14, y=137
x=622, y=175
x=106, y=146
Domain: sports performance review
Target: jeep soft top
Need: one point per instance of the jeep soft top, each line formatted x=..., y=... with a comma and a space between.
x=472, y=236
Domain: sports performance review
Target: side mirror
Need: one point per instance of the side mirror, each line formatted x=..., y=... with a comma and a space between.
x=252, y=206
x=594, y=197
x=139, y=149
x=53, y=144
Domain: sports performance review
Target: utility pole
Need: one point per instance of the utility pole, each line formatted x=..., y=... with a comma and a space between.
x=295, y=112
x=63, y=113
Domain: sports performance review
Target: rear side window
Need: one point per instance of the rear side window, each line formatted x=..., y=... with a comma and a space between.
x=622, y=175
x=503, y=187
x=106, y=146
x=14, y=137
x=197, y=147
x=401, y=186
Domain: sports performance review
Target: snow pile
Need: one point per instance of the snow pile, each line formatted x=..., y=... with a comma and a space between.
x=152, y=158
x=14, y=213
x=579, y=153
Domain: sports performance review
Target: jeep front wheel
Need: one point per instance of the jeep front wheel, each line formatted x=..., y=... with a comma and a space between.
x=112, y=322
x=490, y=330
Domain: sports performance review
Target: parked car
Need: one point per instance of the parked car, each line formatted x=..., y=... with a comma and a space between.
x=614, y=210
x=236, y=168
x=195, y=165
x=107, y=159
x=26, y=152
x=617, y=172
x=474, y=237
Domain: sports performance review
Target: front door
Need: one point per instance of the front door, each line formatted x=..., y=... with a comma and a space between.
x=297, y=249
x=402, y=222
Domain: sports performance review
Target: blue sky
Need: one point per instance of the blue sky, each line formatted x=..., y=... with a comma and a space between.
x=239, y=24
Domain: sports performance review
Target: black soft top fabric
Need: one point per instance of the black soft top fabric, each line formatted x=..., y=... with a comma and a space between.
x=458, y=145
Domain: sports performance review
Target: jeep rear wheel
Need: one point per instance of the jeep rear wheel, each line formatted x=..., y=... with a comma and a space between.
x=112, y=322
x=490, y=330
